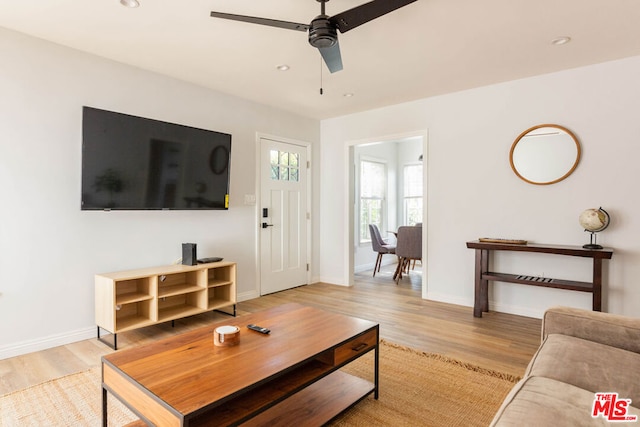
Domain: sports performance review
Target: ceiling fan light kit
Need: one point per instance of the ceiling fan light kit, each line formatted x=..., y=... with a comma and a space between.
x=321, y=33
x=558, y=41
x=323, y=29
x=130, y=3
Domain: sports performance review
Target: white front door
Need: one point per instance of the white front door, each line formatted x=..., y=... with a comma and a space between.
x=283, y=216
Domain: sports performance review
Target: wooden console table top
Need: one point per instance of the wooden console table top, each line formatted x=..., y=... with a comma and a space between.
x=605, y=253
x=483, y=275
x=187, y=380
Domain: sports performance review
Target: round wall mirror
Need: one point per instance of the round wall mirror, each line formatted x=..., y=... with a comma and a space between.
x=545, y=154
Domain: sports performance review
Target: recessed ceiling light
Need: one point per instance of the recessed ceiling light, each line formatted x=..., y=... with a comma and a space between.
x=283, y=67
x=561, y=40
x=130, y=3
x=348, y=95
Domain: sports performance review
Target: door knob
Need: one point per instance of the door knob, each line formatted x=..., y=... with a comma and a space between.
x=265, y=225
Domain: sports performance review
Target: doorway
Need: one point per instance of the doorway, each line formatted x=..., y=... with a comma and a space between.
x=400, y=155
x=284, y=214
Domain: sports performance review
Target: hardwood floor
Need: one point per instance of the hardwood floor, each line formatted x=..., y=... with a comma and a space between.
x=498, y=341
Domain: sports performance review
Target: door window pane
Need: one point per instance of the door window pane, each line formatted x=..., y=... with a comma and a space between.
x=284, y=173
x=285, y=166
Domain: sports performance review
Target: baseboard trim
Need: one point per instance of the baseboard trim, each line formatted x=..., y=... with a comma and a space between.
x=494, y=305
x=44, y=343
x=369, y=266
x=364, y=267
x=517, y=310
x=245, y=296
x=332, y=281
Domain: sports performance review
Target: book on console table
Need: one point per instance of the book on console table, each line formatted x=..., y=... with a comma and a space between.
x=505, y=241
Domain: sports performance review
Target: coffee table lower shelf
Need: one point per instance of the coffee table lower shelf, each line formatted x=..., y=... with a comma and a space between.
x=317, y=404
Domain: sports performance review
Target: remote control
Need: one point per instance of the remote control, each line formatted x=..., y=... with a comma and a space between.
x=258, y=329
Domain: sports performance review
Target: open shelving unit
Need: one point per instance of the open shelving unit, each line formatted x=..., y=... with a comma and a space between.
x=128, y=300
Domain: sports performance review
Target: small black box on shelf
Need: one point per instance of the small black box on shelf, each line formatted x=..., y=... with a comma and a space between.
x=189, y=256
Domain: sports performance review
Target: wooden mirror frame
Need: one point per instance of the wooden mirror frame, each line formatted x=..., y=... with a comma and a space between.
x=525, y=133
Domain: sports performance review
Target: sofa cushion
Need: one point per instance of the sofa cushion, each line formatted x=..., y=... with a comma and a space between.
x=588, y=365
x=606, y=328
x=538, y=401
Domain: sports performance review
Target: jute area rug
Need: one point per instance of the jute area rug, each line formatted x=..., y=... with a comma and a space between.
x=416, y=389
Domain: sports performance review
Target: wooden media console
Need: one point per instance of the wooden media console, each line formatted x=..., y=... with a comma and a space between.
x=127, y=300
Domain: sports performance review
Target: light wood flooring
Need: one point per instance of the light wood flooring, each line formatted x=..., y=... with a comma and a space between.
x=498, y=341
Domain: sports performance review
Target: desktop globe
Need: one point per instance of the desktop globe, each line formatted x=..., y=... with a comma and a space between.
x=594, y=221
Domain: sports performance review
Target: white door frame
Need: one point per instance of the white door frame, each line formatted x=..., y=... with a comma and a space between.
x=349, y=202
x=258, y=210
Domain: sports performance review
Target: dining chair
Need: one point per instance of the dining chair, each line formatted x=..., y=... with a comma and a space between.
x=380, y=246
x=408, y=247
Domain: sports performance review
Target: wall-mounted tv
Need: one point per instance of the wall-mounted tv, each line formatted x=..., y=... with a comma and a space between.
x=135, y=163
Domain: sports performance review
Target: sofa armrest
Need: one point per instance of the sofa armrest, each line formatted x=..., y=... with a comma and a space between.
x=605, y=328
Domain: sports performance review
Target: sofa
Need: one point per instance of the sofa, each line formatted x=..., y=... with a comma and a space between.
x=584, y=359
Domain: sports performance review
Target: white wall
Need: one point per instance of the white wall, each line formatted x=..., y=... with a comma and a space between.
x=473, y=193
x=49, y=248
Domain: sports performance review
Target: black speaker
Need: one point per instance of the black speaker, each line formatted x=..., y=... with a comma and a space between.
x=189, y=256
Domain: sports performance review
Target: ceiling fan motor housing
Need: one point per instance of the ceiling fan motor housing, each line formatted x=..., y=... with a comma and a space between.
x=322, y=33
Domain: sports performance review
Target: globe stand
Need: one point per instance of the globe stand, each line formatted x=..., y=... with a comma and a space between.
x=592, y=242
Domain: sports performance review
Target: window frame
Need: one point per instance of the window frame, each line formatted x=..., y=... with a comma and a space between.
x=406, y=198
x=364, y=239
x=287, y=167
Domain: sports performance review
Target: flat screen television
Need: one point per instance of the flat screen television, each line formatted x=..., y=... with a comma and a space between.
x=135, y=163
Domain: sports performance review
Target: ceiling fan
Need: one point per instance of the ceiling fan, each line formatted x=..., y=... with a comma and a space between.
x=323, y=29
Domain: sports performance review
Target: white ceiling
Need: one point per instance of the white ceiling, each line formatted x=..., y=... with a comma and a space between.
x=427, y=48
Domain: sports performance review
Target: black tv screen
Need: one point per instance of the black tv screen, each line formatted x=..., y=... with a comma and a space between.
x=134, y=163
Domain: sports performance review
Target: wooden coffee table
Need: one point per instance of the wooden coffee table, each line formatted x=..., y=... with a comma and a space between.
x=290, y=375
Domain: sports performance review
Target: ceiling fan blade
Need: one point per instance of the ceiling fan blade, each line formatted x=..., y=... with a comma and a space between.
x=331, y=57
x=262, y=21
x=364, y=13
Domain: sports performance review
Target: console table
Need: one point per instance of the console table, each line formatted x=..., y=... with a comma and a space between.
x=483, y=275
